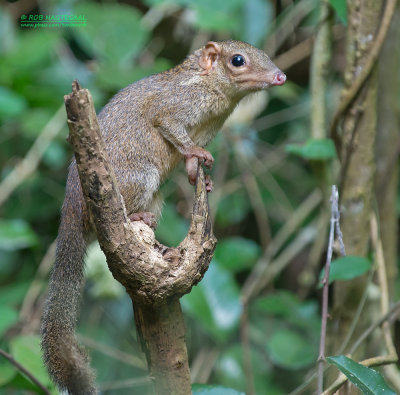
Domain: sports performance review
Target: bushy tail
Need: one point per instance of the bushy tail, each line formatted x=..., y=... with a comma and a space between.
x=66, y=361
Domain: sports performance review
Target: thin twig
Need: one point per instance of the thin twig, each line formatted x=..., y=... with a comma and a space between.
x=357, y=315
x=36, y=285
x=303, y=49
x=320, y=67
x=393, y=313
x=325, y=282
x=23, y=370
x=390, y=371
x=255, y=198
x=112, y=352
x=120, y=384
x=32, y=159
x=203, y=364
x=274, y=267
x=276, y=118
x=288, y=21
x=256, y=279
x=383, y=284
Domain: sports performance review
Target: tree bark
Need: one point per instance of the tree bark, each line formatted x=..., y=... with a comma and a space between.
x=357, y=157
x=162, y=334
x=155, y=276
x=387, y=147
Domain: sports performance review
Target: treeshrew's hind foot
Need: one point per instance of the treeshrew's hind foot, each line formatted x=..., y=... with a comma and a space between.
x=147, y=217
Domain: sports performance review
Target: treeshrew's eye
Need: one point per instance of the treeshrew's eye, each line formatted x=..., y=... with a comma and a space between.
x=238, y=60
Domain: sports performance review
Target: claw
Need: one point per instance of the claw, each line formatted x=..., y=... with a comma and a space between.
x=209, y=183
x=148, y=218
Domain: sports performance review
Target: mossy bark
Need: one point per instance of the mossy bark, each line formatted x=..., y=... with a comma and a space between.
x=358, y=163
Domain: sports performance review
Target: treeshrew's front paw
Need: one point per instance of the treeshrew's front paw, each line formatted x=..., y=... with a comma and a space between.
x=200, y=153
x=192, y=165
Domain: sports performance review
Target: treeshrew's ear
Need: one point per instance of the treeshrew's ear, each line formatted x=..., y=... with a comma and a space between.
x=208, y=57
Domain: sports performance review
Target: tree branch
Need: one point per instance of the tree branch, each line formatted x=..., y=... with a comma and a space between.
x=155, y=276
x=335, y=216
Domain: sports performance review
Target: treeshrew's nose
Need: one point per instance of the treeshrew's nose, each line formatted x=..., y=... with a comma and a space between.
x=279, y=78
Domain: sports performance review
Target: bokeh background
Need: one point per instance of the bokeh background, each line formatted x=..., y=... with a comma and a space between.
x=253, y=322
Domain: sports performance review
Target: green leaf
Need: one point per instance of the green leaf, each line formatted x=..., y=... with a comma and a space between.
x=257, y=19
x=102, y=283
x=237, y=253
x=341, y=9
x=368, y=380
x=229, y=367
x=11, y=103
x=303, y=315
x=16, y=234
x=24, y=385
x=347, y=268
x=315, y=149
x=111, y=75
x=207, y=389
x=290, y=350
x=55, y=155
x=282, y=303
x=212, y=14
x=14, y=294
x=229, y=370
x=7, y=372
x=172, y=228
x=34, y=49
x=232, y=209
x=26, y=351
x=215, y=303
x=9, y=317
x=154, y=3
x=33, y=120
x=114, y=31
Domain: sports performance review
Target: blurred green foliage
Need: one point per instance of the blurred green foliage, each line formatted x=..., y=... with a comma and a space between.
x=120, y=44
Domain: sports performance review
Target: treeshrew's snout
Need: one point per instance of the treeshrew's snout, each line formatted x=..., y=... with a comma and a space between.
x=279, y=78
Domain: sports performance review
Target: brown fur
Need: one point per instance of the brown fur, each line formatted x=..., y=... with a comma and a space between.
x=148, y=127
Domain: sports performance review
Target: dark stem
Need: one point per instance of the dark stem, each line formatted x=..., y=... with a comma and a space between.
x=325, y=282
x=244, y=334
x=24, y=371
